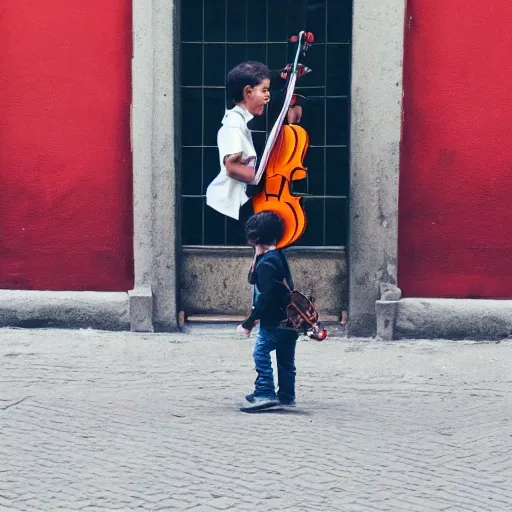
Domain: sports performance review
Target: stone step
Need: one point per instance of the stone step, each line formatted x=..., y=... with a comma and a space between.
x=234, y=318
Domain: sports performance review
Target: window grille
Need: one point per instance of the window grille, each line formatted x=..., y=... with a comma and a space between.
x=218, y=34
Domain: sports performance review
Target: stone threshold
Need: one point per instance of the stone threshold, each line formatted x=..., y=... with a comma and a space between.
x=235, y=318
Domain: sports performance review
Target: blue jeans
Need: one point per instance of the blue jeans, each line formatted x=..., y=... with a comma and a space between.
x=283, y=341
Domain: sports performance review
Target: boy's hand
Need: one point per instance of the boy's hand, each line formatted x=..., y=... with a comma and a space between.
x=249, y=162
x=236, y=158
x=238, y=170
x=242, y=330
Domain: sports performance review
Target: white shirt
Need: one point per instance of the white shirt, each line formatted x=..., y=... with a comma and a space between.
x=225, y=194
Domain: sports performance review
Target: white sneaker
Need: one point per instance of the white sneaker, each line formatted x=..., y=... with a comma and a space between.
x=260, y=403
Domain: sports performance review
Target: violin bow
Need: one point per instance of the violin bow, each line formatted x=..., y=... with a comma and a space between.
x=302, y=45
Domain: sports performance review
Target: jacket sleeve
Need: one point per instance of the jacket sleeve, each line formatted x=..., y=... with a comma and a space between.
x=266, y=281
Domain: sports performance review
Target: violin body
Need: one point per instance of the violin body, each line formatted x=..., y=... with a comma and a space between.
x=285, y=164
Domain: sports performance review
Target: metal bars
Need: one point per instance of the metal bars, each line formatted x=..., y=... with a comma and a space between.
x=217, y=35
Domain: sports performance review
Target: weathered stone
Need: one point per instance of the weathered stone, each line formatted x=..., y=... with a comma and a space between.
x=214, y=279
x=454, y=319
x=154, y=106
x=98, y=310
x=390, y=291
x=141, y=309
x=386, y=319
x=376, y=115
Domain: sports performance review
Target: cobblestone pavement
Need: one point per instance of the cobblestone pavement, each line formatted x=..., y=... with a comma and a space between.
x=94, y=421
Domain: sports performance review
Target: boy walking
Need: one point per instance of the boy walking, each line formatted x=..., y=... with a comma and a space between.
x=248, y=87
x=269, y=269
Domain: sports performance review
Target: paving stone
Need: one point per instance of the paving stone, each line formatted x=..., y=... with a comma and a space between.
x=129, y=421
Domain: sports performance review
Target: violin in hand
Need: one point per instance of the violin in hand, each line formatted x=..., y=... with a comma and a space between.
x=283, y=157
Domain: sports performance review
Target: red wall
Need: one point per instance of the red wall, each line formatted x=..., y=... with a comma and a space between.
x=455, y=225
x=65, y=162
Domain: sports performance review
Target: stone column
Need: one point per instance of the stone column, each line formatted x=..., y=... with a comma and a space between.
x=153, y=299
x=377, y=53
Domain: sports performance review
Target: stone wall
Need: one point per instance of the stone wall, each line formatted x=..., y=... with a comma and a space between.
x=213, y=280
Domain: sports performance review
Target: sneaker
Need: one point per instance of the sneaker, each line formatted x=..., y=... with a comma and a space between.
x=259, y=403
x=287, y=403
x=284, y=403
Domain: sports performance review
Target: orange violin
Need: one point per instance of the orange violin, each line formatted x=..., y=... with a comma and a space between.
x=283, y=160
x=285, y=164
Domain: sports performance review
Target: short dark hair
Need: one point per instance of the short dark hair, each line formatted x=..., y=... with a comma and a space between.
x=264, y=228
x=246, y=73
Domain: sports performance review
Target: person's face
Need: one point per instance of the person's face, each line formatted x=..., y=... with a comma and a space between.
x=255, y=98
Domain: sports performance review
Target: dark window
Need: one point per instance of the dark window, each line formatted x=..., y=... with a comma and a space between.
x=218, y=34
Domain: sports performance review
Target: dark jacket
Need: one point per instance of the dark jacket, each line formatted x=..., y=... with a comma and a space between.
x=272, y=296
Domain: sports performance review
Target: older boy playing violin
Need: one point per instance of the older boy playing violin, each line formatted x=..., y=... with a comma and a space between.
x=248, y=86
